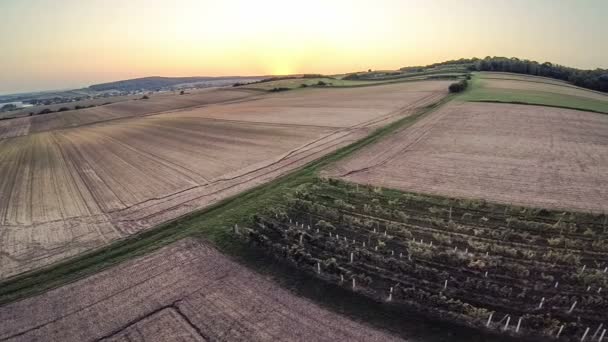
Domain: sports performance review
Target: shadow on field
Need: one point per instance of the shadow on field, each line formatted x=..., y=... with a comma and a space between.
x=409, y=325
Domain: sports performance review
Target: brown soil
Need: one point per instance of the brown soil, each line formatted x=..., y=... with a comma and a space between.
x=122, y=108
x=184, y=292
x=525, y=155
x=70, y=190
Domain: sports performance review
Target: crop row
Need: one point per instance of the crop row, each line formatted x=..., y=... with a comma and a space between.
x=432, y=256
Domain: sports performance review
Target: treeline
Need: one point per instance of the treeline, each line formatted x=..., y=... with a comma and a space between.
x=591, y=79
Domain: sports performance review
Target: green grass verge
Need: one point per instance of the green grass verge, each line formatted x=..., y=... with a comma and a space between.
x=212, y=223
x=479, y=93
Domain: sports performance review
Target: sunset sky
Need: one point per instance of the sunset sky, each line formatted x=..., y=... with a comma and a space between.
x=55, y=44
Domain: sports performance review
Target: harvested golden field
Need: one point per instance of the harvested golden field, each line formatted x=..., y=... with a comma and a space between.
x=525, y=155
x=120, y=109
x=187, y=291
x=70, y=190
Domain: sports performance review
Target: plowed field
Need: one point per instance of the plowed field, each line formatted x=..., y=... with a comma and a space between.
x=526, y=155
x=184, y=292
x=65, y=191
x=121, y=109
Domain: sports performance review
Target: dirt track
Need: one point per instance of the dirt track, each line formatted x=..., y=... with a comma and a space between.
x=525, y=155
x=69, y=190
x=184, y=292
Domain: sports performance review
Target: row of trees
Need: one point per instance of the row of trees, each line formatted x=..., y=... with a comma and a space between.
x=592, y=79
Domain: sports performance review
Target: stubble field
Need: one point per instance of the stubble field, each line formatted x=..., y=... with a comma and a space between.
x=184, y=292
x=516, y=154
x=66, y=191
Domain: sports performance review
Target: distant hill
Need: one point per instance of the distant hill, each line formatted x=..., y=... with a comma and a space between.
x=157, y=82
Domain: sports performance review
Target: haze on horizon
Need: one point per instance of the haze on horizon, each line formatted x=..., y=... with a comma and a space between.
x=58, y=44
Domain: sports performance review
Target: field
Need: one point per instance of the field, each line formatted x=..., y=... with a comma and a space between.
x=184, y=292
x=75, y=189
x=339, y=82
x=501, y=232
x=511, y=271
x=513, y=88
x=297, y=83
x=515, y=154
x=120, y=109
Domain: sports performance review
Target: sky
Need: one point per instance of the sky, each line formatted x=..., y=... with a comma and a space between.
x=60, y=44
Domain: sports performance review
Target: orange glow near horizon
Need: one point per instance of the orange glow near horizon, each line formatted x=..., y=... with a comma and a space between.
x=50, y=44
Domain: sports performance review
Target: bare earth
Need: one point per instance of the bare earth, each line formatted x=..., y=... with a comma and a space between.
x=525, y=155
x=184, y=292
x=66, y=191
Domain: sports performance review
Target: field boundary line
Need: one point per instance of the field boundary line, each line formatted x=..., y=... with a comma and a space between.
x=523, y=103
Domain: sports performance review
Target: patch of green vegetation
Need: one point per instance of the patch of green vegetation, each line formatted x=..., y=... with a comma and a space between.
x=327, y=82
x=434, y=72
x=212, y=223
x=479, y=93
x=308, y=82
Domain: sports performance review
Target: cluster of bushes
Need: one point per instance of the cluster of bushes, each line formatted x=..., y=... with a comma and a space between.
x=8, y=107
x=89, y=106
x=64, y=109
x=278, y=89
x=458, y=87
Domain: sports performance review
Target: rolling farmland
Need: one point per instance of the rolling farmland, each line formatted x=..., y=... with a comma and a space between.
x=120, y=109
x=311, y=171
x=69, y=190
x=187, y=291
x=526, y=155
x=339, y=81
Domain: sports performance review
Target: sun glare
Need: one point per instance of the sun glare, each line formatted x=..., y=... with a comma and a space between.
x=282, y=68
x=281, y=37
